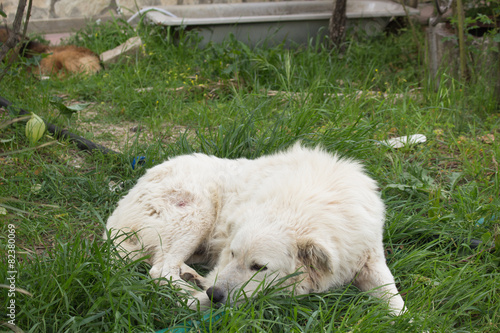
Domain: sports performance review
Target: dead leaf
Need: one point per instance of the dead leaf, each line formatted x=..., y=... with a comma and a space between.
x=488, y=138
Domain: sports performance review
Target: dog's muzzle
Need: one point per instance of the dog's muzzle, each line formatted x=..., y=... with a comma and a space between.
x=216, y=295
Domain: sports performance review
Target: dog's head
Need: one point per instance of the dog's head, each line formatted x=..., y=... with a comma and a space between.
x=259, y=258
x=23, y=47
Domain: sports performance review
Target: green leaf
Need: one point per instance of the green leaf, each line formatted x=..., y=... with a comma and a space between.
x=2, y=13
x=484, y=19
x=77, y=107
x=455, y=177
x=485, y=238
x=67, y=110
x=35, y=128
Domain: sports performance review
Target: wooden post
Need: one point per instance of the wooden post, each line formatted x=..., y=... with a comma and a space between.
x=461, y=40
x=433, y=54
x=498, y=77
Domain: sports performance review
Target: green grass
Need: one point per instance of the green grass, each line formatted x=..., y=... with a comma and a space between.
x=233, y=101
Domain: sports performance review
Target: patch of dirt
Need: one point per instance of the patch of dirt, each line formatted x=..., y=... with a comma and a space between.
x=73, y=158
x=119, y=136
x=115, y=136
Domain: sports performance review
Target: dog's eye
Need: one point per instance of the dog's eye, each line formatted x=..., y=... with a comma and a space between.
x=232, y=254
x=257, y=267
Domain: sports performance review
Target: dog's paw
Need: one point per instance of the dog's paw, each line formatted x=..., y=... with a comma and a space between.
x=194, y=279
x=155, y=272
x=199, y=301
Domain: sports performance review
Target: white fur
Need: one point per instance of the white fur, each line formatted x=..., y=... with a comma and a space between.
x=302, y=210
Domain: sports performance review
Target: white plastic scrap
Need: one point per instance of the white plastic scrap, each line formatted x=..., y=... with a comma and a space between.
x=403, y=141
x=115, y=187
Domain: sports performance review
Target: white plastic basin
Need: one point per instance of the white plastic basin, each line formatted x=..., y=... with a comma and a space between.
x=290, y=21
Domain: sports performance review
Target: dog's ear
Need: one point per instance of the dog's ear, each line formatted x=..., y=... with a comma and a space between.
x=315, y=260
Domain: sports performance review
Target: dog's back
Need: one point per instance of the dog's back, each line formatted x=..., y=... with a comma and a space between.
x=70, y=59
x=60, y=60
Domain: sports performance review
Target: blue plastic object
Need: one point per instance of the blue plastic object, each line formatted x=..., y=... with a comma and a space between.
x=138, y=161
x=482, y=220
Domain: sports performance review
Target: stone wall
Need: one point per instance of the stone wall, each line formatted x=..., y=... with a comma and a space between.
x=54, y=16
x=62, y=9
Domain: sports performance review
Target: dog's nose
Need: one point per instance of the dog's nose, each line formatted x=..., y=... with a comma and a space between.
x=216, y=295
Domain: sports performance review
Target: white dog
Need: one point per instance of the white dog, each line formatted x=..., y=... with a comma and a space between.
x=256, y=221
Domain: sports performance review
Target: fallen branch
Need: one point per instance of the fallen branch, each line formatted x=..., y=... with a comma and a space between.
x=476, y=254
x=357, y=94
x=13, y=121
x=28, y=149
x=19, y=210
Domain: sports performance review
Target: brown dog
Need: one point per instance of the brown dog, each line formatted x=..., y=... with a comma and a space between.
x=60, y=60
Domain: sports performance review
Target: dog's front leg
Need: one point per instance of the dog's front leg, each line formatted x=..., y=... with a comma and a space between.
x=188, y=274
x=199, y=301
x=177, y=273
x=376, y=278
